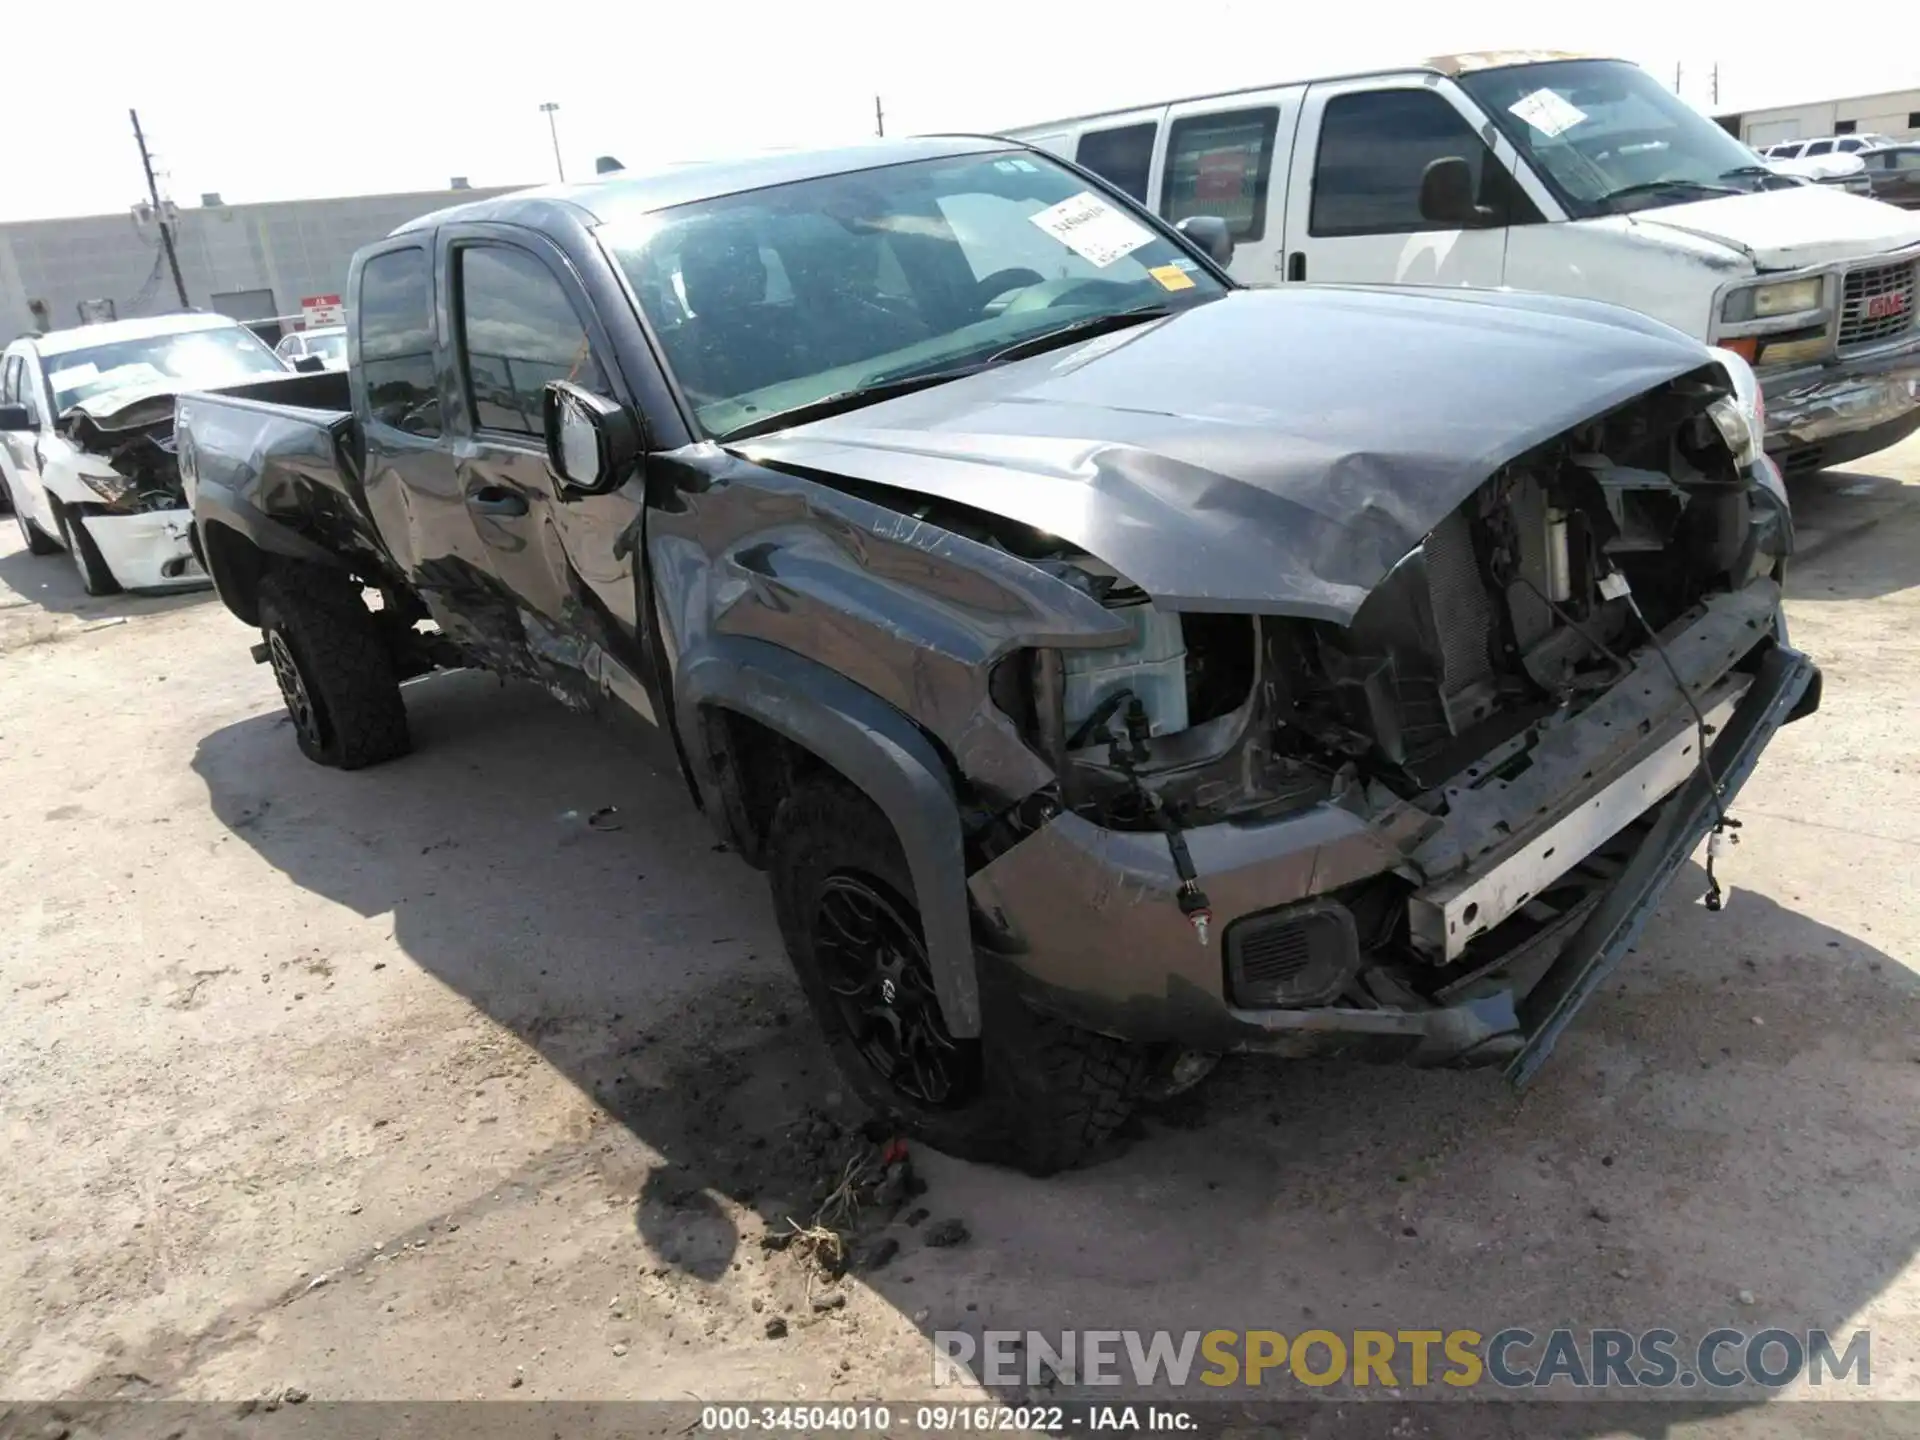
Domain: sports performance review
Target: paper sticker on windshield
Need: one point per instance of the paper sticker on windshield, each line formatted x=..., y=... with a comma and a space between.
x=1171, y=277
x=73, y=375
x=1092, y=229
x=1547, y=111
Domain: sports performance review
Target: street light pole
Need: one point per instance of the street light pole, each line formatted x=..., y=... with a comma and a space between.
x=553, y=127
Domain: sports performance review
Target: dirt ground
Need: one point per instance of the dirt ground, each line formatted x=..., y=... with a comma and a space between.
x=392, y=1085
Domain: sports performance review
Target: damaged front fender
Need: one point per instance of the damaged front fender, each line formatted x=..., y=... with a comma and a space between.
x=877, y=749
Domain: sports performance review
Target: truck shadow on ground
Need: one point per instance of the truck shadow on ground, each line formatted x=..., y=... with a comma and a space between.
x=1728, y=1136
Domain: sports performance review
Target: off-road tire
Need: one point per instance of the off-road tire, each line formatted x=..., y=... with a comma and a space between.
x=357, y=717
x=1046, y=1094
x=38, y=543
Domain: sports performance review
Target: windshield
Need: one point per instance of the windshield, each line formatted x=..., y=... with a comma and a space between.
x=188, y=359
x=782, y=297
x=1608, y=137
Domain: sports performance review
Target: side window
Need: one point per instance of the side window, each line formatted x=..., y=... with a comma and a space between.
x=26, y=390
x=518, y=330
x=1906, y=160
x=10, y=380
x=1818, y=147
x=394, y=312
x=1218, y=165
x=1375, y=147
x=1123, y=156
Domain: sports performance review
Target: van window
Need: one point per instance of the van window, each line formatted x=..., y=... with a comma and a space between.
x=395, y=314
x=1218, y=165
x=1375, y=147
x=1818, y=147
x=518, y=330
x=1123, y=156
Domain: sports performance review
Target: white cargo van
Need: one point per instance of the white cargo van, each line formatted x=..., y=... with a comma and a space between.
x=1545, y=171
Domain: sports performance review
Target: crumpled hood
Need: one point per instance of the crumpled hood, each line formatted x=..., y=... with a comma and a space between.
x=1786, y=229
x=1275, y=451
x=130, y=407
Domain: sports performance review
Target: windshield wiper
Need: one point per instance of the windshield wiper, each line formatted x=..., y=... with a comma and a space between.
x=1658, y=187
x=843, y=400
x=1080, y=329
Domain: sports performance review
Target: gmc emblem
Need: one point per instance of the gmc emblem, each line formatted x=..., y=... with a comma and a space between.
x=1882, y=306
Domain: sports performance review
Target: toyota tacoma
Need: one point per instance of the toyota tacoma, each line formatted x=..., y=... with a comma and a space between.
x=1111, y=666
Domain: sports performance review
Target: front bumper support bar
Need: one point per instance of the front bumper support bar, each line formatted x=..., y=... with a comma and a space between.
x=1616, y=922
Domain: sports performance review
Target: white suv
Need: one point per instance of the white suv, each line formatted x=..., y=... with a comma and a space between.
x=1827, y=145
x=86, y=424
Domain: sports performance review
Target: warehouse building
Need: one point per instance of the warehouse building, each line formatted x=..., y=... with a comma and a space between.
x=253, y=262
x=1892, y=112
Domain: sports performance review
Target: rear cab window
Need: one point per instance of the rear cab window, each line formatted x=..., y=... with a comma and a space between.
x=394, y=315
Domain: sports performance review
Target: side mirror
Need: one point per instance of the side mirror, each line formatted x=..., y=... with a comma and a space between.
x=1211, y=234
x=307, y=364
x=1446, y=195
x=592, y=442
x=15, y=417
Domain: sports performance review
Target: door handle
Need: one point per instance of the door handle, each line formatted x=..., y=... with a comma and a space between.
x=1297, y=265
x=496, y=500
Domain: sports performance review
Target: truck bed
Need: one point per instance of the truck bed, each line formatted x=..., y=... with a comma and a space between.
x=278, y=461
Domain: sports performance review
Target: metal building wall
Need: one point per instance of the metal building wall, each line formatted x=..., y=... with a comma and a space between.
x=291, y=248
x=1891, y=113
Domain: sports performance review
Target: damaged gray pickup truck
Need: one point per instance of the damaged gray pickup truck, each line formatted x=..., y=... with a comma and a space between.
x=1113, y=667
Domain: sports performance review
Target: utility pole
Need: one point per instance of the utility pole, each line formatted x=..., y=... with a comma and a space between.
x=553, y=127
x=879, y=119
x=159, y=212
x=1716, y=82
x=1676, y=77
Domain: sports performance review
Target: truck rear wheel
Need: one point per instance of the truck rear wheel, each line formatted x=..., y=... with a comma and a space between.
x=1032, y=1092
x=333, y=669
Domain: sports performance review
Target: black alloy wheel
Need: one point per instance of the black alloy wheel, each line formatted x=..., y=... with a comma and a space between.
x=876, y=968
x=293, y=690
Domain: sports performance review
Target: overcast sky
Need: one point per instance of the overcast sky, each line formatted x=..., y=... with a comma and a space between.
x=282, y=101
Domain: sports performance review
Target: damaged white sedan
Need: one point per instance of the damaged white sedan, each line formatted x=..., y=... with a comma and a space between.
x=86, y=441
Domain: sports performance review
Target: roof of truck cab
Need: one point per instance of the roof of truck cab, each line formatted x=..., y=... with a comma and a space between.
x=629, y=192
x=1452, y=66
x=85, y=337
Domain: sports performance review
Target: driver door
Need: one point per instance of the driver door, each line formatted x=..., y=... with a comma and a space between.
x=1358, y=170
x=520, y=319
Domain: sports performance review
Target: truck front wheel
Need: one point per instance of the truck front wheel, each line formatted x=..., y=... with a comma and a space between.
x=1031, y=1092
x=333, y=669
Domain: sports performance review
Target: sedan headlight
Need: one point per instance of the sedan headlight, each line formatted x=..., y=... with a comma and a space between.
x=1764, y=302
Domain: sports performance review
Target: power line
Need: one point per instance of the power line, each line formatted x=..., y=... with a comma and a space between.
x=159, y=211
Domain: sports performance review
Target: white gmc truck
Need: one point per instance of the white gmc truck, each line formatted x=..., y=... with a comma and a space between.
x=1543, y=171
